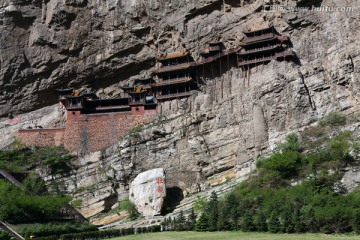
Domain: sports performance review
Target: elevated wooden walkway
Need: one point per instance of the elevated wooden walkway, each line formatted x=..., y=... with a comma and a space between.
x=68, y=209
x=75, y=213
x=265, y=59
x=166, y=82
x=173, y=96
x=10, y=178
x=217, y=56
x=181, y=66
x=7, y=228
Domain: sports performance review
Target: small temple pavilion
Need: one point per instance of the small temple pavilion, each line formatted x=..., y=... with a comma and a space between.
x=263, y=45
x=88, y=103
x=141, y=96
x=174, y=77
x=213, y=49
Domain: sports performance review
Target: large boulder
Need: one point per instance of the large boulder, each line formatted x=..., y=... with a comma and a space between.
x=148, y=192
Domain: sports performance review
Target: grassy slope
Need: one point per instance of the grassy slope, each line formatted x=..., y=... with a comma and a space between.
x=233, y=236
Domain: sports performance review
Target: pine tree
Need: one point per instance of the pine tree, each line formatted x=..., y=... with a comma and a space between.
x=180, y=222
x=356, y=222
x=164, y=224
x=202, y=224
x=191, y=220
x=213, y=212
x=312, y=225
x=224, y=220
x=260, y=223
x=274, y=223
x=287, y=221
x=247, y=223
x=232, y=208
x=298, y=221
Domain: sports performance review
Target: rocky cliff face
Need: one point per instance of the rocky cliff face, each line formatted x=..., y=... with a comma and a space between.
x=205, y=140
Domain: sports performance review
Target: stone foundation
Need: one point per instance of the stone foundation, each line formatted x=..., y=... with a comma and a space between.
x=42, y=137
x=86, y=133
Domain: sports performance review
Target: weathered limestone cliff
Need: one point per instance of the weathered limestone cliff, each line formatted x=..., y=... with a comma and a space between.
x=205, y=140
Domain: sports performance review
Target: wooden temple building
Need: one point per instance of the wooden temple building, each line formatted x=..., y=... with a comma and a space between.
x=177, y=74
x=175, y=77
x=88, y=103
x=263, y=45
x=93, y=124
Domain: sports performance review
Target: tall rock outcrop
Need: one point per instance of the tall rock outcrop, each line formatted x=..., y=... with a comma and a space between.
x=148, y=192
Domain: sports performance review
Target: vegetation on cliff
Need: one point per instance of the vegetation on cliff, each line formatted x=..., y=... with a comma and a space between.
x=57, y=159
x=18, y=204
x=296, y=189
x=293, y=191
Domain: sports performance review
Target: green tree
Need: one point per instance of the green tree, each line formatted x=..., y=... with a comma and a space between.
x=224, y=220
x=355, y=222
x=247, y=223
x=213, y=212
x=298, y=221
x=180, y=222
x=232, y=210
x=260, y=222
x=286, y=216
x=202, y=224
x=312, y=225
x=274, y=223
x=191, y=220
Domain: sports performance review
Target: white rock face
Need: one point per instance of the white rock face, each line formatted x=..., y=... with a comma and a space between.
x=148, y=192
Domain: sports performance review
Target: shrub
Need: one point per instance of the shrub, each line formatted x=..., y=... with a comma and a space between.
x=286, y=164
x=56, y=158
x=333, y=119
x=17, y=205
x=4, y=235
x=128, y=206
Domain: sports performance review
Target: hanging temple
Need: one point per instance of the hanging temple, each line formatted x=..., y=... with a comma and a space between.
x=94, y=124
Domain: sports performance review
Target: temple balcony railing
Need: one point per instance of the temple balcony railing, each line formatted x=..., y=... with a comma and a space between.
x=176, y=67
x=74, y=107
x=112, y=107
x=260, y=49
x=259, y=38
x=214, y=48
x=217, y=56
x=171, y=81
x=135, y=103
x=269, y=58
x=283, y=38
x=173, y=95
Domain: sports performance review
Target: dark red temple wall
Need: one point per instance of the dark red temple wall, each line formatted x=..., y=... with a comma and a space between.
x=89, y=133
x=42, y=137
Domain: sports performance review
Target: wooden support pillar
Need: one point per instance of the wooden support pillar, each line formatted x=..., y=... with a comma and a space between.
x=220, y=72
x=229, y=74
x=222, y=87
x=189, y=100
x=203, y=73
x=197, y=77
x=228, y=62
x=212, y=71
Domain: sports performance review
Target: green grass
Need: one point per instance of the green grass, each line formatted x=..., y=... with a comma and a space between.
x=233, y=236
